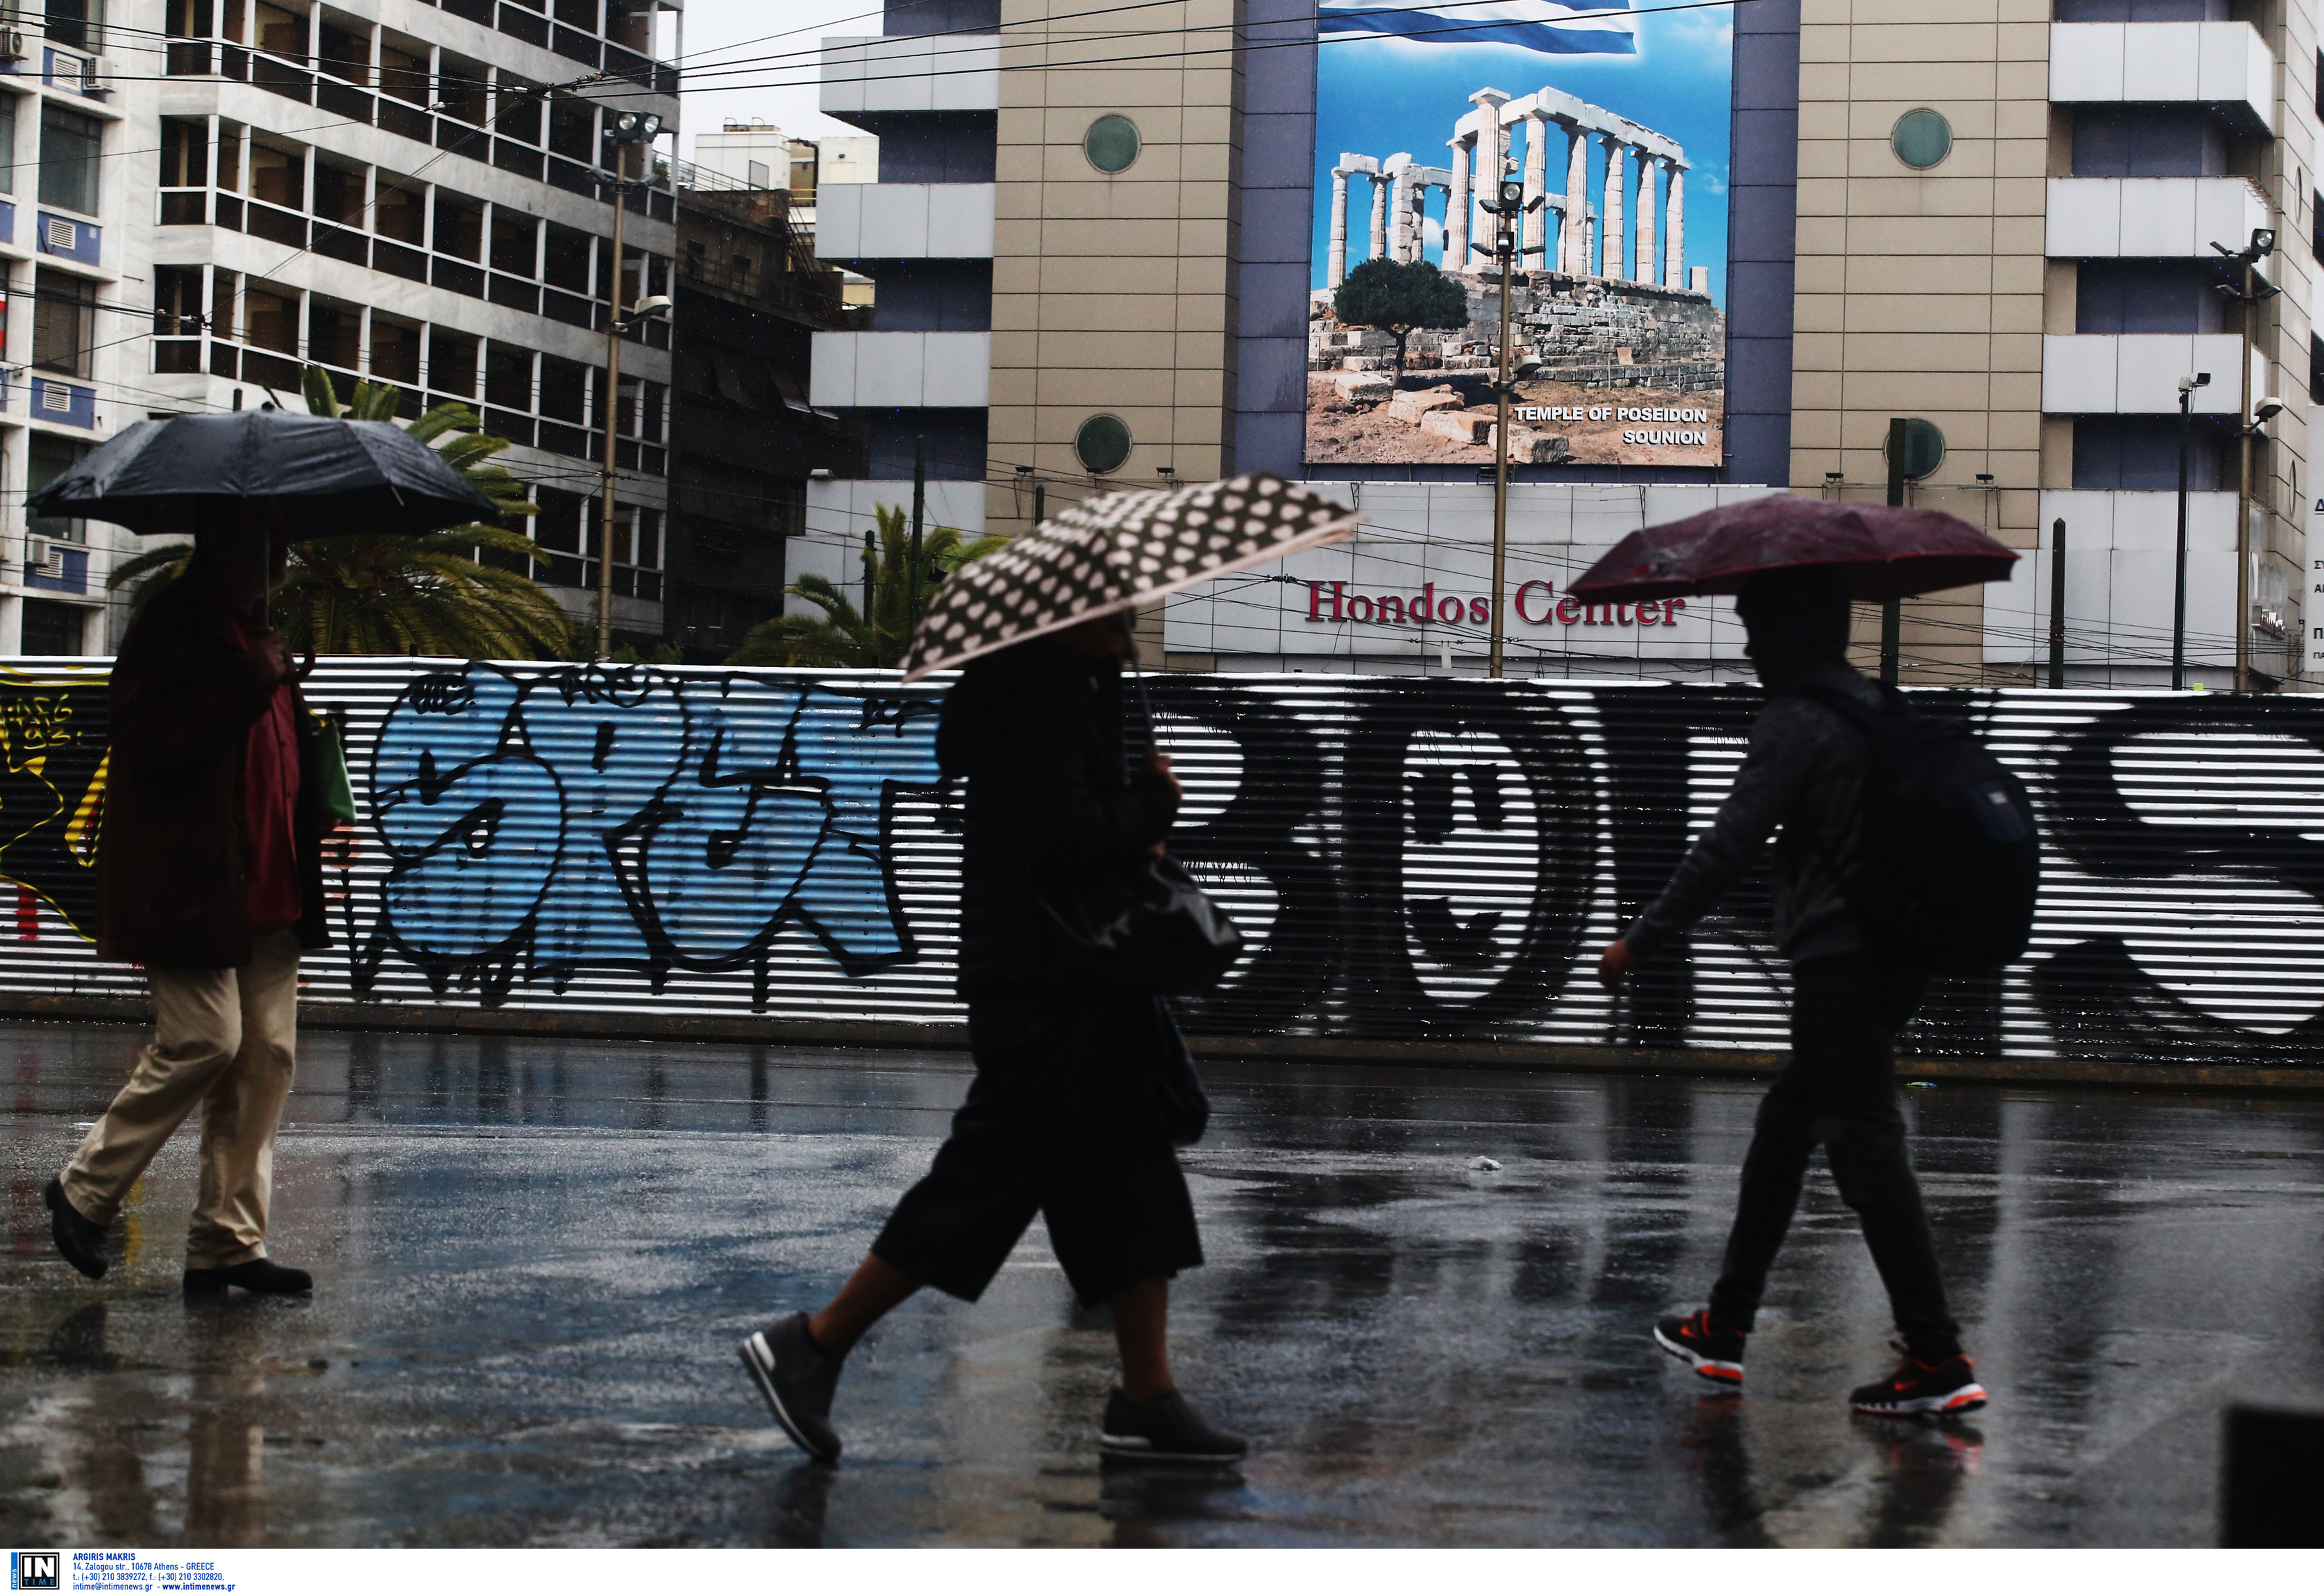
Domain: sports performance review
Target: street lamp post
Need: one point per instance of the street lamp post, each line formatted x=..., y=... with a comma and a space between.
x=2187, y=387
x=1509, y=205
x=628, y=129
x=2249, y=295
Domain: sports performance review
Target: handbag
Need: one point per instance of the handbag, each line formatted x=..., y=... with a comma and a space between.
x=1152, y=930
x=325, y=766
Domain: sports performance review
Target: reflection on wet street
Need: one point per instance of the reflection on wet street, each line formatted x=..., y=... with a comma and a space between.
x=534, y=1259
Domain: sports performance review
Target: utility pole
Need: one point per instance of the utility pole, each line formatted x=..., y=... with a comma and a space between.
x=2249, y=293
x=919, y=508
x=623, y=131
x=1892, y=614
x=2057, y=606
x=2187, y=387
x=1509, y=205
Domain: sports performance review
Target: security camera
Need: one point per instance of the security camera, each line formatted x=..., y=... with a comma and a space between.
x=2267, y=410
x=2201, y=379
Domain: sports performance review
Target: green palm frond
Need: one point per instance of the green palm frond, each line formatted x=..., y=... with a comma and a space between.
x=844, y=638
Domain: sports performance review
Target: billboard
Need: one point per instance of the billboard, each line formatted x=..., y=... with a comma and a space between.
x=1615, y=121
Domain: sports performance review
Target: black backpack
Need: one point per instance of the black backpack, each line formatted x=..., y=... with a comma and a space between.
x=1949, y=862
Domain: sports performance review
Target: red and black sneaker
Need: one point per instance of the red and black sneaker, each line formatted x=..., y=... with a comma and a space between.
x=1714, y=1353
x=1945, y=1387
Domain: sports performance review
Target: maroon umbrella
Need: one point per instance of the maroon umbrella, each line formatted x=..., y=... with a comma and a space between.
x=1886, y=553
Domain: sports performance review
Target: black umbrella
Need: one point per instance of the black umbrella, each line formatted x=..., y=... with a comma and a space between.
x=329, y=479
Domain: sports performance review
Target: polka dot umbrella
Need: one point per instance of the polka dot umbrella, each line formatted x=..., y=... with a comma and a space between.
x=1118, y=551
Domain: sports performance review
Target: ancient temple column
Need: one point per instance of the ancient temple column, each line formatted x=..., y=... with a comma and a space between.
x=1335, y=269
x=1401, y=244
x=1536, y=179
x=1615, y=179
x=1380, y=218
x=1574, y=259
x=1456, y=206
x=1646, y=214
x=1675, y=243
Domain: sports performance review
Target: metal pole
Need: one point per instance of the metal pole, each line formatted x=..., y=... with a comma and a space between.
x=871, y=566
x=1892, y=616
x=919, y=507
x=2057, y=606
x=2179, y=566
x=612, y=413
x=2244, y=493
x=1040, y=503
x=1504, y=245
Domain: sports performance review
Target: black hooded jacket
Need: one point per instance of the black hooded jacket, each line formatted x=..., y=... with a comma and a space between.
x=1035, y=732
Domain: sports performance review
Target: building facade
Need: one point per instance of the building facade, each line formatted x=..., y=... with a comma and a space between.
x=2016, y=224
x=398, y=191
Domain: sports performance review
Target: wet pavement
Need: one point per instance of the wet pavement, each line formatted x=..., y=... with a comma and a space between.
x=534, y=1259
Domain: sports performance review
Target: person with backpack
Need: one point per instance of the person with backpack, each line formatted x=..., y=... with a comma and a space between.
x=1829, y=755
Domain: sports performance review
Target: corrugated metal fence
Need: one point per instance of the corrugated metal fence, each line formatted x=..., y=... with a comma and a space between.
x=1412, y=858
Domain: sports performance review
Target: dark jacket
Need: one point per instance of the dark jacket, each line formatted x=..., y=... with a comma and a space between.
x=1805, y=773
x=170, y=885
x=1035, y=732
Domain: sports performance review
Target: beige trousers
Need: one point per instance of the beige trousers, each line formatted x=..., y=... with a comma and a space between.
x=224, y=1040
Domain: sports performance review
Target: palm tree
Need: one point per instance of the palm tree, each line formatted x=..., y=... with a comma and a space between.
x=415, y=593
x=844, y=638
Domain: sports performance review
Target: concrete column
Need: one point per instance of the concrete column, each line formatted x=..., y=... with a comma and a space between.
x=1378, y=243
x=1536, y=180
x=1615, y=179
x=1335, y=270
x=1674, y=241
x=1456, y=206
x=1646, y=214
x=1575, y=258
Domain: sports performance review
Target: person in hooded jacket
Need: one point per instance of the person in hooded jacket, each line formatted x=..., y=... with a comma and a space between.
x=1805, y=773
x=1061, y=1119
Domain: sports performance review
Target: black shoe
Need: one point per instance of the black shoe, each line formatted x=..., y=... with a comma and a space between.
x=81, y=1241
x=797, y=1380
x=1714, y=1353
x=260, y=1277
x=1943, y=1387
x=1165, y=1430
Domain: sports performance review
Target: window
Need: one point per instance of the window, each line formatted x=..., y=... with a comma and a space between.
x=343, y=52
x=451, y=363
x=188, y=19
x=516, y=106
x=78, y=24
x=633, y=29
x=226, y=304
x=70, y=146
x=230, y=27
x=401, y=210
x=7, y=143
x=459, y=225
x=1111, y=143
x=46, y=459
x=52, y=630
x=1101, y=444
x=271, y=318
x=508, y=377
x=566, y=259
x=2315, y=369
x=395, y=350
x=64, y=316
x=177, y=300
x=2148, y=141
x=460, y=85
x=578, y=13
x=564, y=383
x=339, y=194
x=278, y=176
x=572, y=129
x=282, y=31
x=516, y=242
x=657, y=397
x=185, y=152
x=229, y=157
x=1921, y=138
x=404, y=71
x=334, y=332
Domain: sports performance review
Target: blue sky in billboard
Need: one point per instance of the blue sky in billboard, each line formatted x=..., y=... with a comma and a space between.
x=1378, y=95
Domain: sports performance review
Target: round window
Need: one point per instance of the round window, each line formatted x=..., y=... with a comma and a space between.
x=1924, y=448
x=1922, y=138
x=1111, y=143
x=1101, y=444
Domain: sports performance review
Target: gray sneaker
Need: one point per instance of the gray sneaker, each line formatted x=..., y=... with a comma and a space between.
x=1165, y=1430
x=797, y=1380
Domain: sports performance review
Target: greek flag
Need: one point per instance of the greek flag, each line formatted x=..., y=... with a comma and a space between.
x=1556, y=27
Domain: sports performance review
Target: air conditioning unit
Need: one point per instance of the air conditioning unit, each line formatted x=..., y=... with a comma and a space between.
x=95, y=75
x=11, y=44
x=43, y=557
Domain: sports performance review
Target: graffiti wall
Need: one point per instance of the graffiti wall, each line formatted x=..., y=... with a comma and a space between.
x=1426, y=858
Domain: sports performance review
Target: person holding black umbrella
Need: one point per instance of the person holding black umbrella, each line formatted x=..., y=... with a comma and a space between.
x=209, y=865
x=1827, y=758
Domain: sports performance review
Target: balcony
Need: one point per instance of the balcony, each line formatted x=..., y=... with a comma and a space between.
x=930, y=72
x=2137, y=374
x=901, y=371
x=904, y=221
x=2225, y=66
x=2150, y=217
